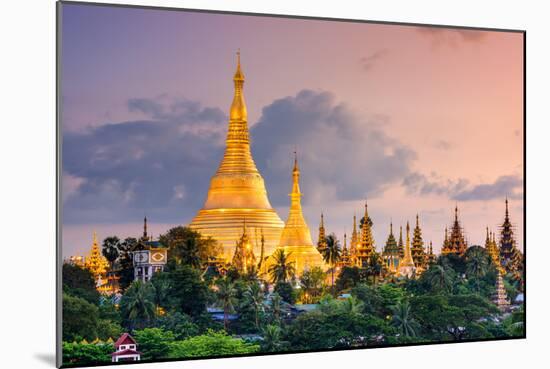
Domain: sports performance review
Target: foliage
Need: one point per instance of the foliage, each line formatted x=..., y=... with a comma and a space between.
x=185, y=282
x=286, y=291
x=125, y=264
x=79, y=282
x=110, y=249
x=311, y=283
x=282, y=269
x=402, y=319
x=86, y=354
x=514, y=324
x=79, y=319
x=226, y=293
x=154, y=343
x=188, y=247
x=211, y=344
x=348, y=278
x=180, y=324
x=254, y=297
x=137, y=305
x=272, y=339
x=332, y=253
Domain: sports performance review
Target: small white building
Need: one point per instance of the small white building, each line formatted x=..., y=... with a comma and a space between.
x=125, y=349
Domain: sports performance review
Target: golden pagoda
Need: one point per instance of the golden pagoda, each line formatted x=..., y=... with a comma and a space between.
x=95, y=262
x=296, y=237
x=492, y=249
x=406, y=265
x=345, y=260
x=322, y=238
x=354, y=242
x=237, y=190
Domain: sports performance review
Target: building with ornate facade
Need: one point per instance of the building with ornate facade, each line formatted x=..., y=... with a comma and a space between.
x=366, y=248
x=148, y=256
x=391, y=253
x=456, y=242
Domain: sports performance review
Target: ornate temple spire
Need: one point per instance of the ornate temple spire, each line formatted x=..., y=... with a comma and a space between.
x=391, y=253
x=237, y=157
x=95, y=262
x=511, y=257
x=400, y=244
x=418, y=253
x=407, y=266
x=366, y=248
x=455, y=243
x=321, y=239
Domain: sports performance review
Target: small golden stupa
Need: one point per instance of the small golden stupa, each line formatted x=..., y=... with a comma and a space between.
x=296, y=237
x=237, y=190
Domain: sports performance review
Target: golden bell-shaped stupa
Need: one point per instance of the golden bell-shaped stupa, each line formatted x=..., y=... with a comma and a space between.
x=237, y=190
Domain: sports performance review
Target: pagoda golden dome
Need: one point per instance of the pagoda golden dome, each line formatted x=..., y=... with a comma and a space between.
x=237, y=190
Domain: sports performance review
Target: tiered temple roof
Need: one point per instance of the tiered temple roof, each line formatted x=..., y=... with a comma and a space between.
x=366, y=248
x=455, y=243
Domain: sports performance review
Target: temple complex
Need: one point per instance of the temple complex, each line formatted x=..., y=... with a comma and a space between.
x=296, y=237
x=406, y=266
x=237, y=190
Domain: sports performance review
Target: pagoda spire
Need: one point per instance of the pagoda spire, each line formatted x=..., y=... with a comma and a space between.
x=391, y=254
x=145, y=228
x=366, y=247
x=321, y=239
x=418, y=252
x=407, y=266
x=400, y=244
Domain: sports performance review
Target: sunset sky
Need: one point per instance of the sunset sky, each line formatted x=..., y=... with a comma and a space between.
x=414, y=119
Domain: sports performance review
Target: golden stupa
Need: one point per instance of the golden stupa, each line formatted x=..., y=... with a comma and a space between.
x=296, y=237
x=237, y=190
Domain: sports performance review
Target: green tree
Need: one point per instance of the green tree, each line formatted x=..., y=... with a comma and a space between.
x=272, y=339
x=477, y=264
x=161, y=289
x=438, y=278
x=276, y=307
x=211, y=344
x=79, y=282
x=86, y=354
x=154, y=343
x=254, y=297
x=402, y=319
x=188, y=247
x=125, y=263
x=226, y=294
x=374, y=266
x=332, y=253
x=282, y=269
x=111, y=247
x=80, y=319
x=188, y=293
x=137, y=305
x=286, y=291
x=311, y=283
x=180, y=324
x=349, y=277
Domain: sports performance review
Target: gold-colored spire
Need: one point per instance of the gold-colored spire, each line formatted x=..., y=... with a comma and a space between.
x=407, y=259
x=238, y=107
x=296, y=231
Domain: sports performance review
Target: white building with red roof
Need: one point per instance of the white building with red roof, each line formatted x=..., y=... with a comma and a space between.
x=125, y=349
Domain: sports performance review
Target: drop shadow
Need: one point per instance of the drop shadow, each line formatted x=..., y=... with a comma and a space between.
x=46, y=358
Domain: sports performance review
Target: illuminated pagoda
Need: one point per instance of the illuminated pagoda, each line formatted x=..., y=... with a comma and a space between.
x=322, y=238
x=237, y=189
x=406, y=266
x=345, y=257
x=455, y=243
x=391, y=253
x=243, y=258
x=510, y=257
x=296, y=237
x=417, y=249
x=354, y=242
x=500, y=298
x=95, y=262
x=400, y=245
x=492, y=249
x=430, y=256
x=366, y=247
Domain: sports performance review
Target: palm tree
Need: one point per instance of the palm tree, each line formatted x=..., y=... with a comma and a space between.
x=477, y=263
x=161, y=290
x=282, y=269
x=276, y=306
x=374, y=266
x=137, y=304
x=110, y=249
x=272, y=338
x=254, y=296
x=332, y=253
x=439, y=279
x=311, y=283
x=351, y=306
x=402, y=319
x=226, y=293
x=189, y=253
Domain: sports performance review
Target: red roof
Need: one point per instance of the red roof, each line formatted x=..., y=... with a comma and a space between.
x=125, y=339
x=126, y=352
